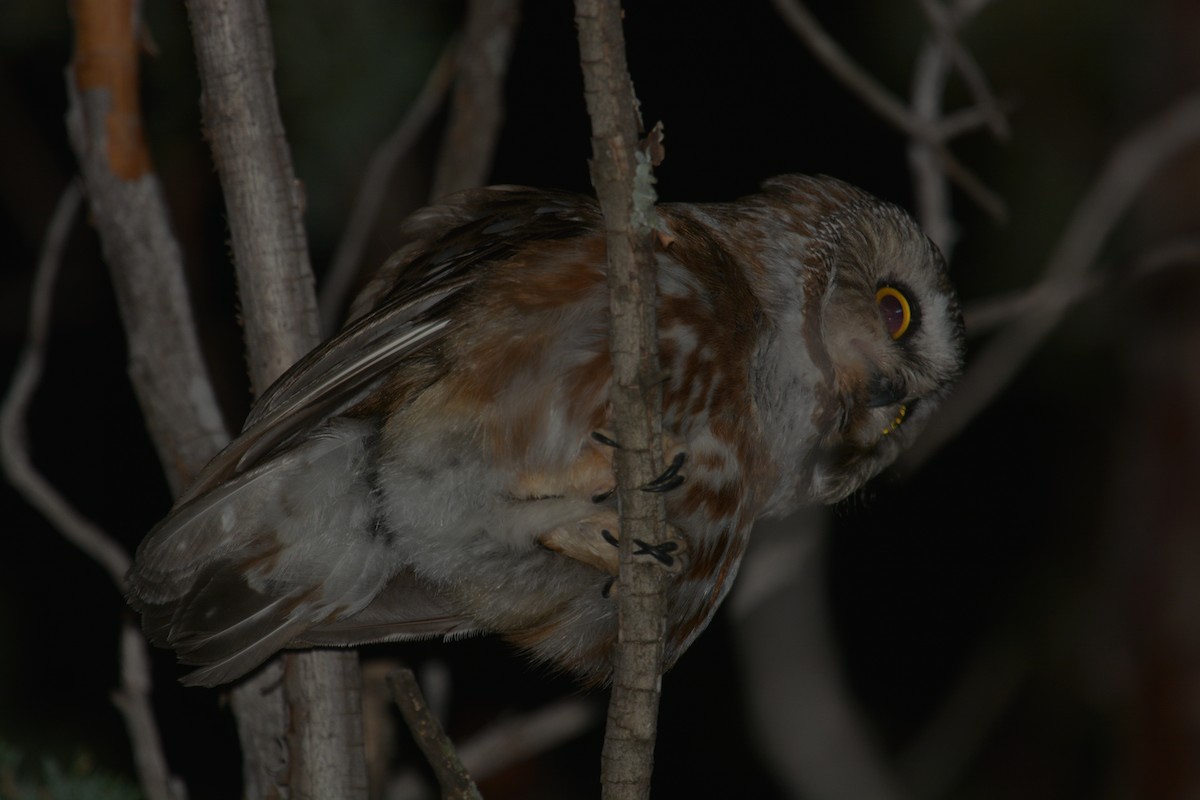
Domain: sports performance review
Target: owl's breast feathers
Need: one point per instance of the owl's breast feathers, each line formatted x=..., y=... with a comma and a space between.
x=535, y=383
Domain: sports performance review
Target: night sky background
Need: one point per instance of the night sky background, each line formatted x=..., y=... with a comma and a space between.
x=1052, y=544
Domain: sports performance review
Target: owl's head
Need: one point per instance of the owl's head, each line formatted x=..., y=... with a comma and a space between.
x=881, y=323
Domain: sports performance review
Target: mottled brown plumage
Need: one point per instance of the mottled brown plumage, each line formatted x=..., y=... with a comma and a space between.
x=432, y=470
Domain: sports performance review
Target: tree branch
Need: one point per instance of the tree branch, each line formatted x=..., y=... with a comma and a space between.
x=1128, y=169
x=456, y=784
x=885, y=104
x=345, y=265
x=477, y=104
x=275, y=285
x=166, y=364
x=623, y=179
x=133, y=698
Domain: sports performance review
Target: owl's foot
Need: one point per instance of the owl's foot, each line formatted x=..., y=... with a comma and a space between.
x=595, y=541
x=674, y=454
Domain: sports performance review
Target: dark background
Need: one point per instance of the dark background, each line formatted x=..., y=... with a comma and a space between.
x=1053, y=532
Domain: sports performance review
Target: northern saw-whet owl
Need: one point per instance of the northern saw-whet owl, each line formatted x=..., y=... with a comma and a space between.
x=441, y=466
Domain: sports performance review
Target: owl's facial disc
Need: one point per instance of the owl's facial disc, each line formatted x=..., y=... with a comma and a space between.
x=885, y=380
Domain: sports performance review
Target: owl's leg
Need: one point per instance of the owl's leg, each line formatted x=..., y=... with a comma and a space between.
x=595, y=540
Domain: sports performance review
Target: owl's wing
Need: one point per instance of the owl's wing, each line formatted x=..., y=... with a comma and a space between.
x=273, y=545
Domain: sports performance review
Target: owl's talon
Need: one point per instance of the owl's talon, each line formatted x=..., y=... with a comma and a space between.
x=659, y=552
x=600, y=497
x=666, y=554
x=605, y=439
x=671, y=479
x=595, y=541
x=668, y=480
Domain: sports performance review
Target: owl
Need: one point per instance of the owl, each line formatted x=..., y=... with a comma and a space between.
x=443, y=465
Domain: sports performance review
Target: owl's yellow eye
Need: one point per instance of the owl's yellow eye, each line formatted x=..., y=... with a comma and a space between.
x=895, y=310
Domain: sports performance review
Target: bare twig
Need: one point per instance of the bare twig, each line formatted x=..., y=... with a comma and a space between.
x=510, y=741
x=622, y=178
x=1128, y=169
x=133, y=701
x=456, y=783
x=945, y=29
x=931, y=190
x=18, y=466
x=133, y=698
x=884, y=103
x=343, y=269
x=477, y=105
x=984, y=316
x=235, y=57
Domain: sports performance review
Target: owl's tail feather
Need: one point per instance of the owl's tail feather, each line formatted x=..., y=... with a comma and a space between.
x=246, y=569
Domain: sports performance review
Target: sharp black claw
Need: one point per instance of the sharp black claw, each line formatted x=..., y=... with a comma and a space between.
x=608, y=537
x=664, y=486
x=670, y=479
x=608, y=585
x=602, y=439
x=600, y=498
x=660, y=552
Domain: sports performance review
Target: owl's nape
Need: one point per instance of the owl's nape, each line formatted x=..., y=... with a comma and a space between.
x=433, y=470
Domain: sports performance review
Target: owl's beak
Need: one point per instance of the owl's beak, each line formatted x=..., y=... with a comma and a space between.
x=884, y=392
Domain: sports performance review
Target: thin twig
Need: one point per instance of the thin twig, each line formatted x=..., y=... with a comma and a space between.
x=18, y=466
x=1128, y=169
x=930, y=188
x=884, y=103
x=456, y=783
x=133, y=698
x=984, y=316
x=511, y=740
x=344, y=267
x=477, y=104
x=945, y=33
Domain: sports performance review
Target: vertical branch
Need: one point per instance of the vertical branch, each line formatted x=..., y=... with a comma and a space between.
x=127, y=207
x=166, y=365
x=263, y=200
x=622, y=179
x=275, y=283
